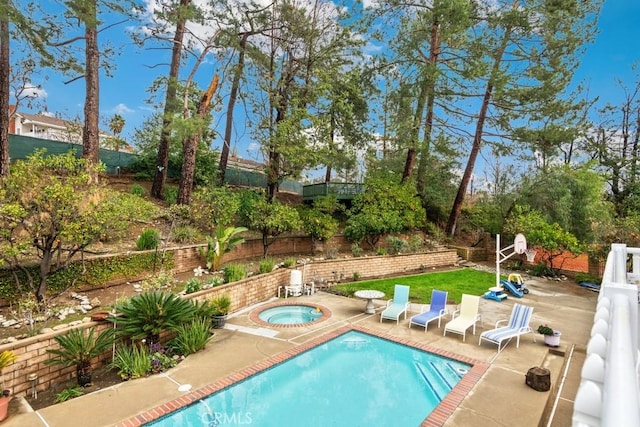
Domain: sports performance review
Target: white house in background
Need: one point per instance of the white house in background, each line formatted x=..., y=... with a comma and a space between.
x=46, y=126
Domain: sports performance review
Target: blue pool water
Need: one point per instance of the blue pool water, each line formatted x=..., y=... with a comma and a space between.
x=290, y=314
x=352, y=380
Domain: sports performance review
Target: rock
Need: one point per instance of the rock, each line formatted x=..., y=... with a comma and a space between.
x=75, y=323
x=60, y=327
x=9, y=323
x=45, y=330
x=86, y=319
x=9, y=340
x=95, y=302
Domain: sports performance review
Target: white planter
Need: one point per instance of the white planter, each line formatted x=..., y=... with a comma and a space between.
x=553, y=340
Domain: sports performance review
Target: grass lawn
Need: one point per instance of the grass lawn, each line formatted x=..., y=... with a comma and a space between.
x=458, y=282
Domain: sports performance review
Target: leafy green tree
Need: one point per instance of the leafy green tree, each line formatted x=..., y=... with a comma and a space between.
x=384, y=207
x=318, y=220
x=214, y=207
x=529, y=53
x=549, y=236
x=573, y=198
x=272, y=219
x=49, y=209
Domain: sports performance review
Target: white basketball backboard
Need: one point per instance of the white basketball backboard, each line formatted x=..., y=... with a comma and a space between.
x=520, y=244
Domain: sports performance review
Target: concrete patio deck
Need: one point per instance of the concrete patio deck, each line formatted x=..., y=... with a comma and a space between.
x=499, y=398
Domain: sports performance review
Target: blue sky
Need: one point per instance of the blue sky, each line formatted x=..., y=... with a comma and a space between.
x=609, y=58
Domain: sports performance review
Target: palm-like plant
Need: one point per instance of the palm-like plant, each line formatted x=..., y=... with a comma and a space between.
x=222, y=243
x=78, y=348
x=146, y=315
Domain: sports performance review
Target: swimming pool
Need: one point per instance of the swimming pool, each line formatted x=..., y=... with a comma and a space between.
x=354, y=379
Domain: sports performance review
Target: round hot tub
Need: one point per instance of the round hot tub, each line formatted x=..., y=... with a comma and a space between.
x=290, y=314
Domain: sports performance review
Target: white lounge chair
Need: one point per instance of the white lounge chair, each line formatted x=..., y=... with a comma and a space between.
x=468, y=316
x=518, y=324
x=398, y=305
x=437, y=310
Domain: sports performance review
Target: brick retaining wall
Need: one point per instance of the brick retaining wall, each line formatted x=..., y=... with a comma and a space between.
x=31, y=352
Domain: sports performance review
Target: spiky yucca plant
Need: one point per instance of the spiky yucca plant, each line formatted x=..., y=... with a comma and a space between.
x=78, y=348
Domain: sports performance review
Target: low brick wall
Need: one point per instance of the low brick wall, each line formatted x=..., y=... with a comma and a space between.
x=470, y=254
x=32, y=352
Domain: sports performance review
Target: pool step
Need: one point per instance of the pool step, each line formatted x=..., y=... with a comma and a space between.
x=434, y=381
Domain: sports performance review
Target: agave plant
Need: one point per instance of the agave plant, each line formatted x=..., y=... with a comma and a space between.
x=146, y=315
x=78, y=348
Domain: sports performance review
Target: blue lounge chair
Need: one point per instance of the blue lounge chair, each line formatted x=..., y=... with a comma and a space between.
x=468, y=316
x=518, y=325
x=398, y=305
x=437, y=310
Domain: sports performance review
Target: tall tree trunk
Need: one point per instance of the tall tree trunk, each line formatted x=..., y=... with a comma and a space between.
x=434, y=53
x=4, y=95
x=233, y=96
x=190, y=147
x=170, y=104
x=90, y=132
x=426, y=91
x=477, y=137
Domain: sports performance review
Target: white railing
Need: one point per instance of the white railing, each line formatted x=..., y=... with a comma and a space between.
x=608, y=394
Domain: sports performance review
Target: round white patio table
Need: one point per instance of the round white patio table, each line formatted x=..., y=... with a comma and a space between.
x=369, y=295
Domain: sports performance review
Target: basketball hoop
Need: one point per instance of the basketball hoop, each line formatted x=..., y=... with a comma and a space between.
x=531, y=254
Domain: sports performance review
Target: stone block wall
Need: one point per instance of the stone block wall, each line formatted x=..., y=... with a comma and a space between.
x=32, y=352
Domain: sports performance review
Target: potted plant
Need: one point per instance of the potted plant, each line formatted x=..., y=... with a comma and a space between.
x=551, y=336
x=7, y=357
x=220, y=309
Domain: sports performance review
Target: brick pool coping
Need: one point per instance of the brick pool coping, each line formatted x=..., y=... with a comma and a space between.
x=255, y=314
x=436, y=418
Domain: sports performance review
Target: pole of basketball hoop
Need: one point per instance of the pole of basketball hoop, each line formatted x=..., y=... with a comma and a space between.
x=498, y=256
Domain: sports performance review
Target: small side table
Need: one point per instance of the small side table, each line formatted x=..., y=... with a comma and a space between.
x=369, y=295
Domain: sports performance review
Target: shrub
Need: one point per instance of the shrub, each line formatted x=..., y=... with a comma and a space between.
x=381, y=251
x=147, y=314
x=356, y=276
x=415, y=243
x=356, y=250
x=137, y=190
x=69, y=393
x=221, y=305
x=396, y=244
x=540, y=270
x=192, y=337
x=266, y=265
x=162, y=280
x=170, y=195
x=214, y=281
x=184, y=234
x=289, y=262
x=149, y=239
x=193, y=285
x=234, y=272
x=131, y=361
x=160, y=360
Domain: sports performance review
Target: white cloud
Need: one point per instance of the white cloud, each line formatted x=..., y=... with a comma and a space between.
x=32, y=91
x=121, y=109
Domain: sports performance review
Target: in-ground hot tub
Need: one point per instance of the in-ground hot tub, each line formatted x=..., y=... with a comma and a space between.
x=290, y=314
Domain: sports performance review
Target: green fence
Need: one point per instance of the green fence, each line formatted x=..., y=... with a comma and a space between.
x=22, y=146
x=255, y=179
x=342, y=190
